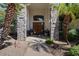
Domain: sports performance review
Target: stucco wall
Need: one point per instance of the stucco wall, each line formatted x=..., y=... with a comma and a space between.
x=39, y=9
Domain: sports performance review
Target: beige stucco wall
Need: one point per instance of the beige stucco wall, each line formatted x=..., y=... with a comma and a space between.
x=38, y=9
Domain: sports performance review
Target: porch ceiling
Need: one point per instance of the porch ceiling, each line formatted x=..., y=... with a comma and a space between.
x=39, y=5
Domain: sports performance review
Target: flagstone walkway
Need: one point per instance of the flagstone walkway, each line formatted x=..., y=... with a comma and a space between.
x=31, y=47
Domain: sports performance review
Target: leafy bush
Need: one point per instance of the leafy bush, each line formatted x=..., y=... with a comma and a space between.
x=1, y=20
x=49, y=42
x=74, y=51
x=73, y=34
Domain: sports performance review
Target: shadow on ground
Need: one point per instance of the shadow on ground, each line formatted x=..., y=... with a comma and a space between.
x=5, y=45
x=38, y=46
x=54, y=49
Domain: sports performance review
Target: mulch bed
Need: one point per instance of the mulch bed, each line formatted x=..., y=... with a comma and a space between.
x=57, y=50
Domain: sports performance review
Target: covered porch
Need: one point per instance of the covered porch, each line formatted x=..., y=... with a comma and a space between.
x=37, y=20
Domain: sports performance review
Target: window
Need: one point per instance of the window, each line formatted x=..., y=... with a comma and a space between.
x=38, y=18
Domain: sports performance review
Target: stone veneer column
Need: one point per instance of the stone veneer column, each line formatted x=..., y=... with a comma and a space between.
x=21, y=24
x=54, y=24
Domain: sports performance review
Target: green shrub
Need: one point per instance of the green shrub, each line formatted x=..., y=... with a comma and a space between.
x=72, y=34
x=49, y=42
x=74, y=51
x=1, y=20
x=14, y=25
x=61, y=35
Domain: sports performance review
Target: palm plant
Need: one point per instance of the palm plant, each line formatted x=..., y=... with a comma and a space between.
x=70, y=11
x=67, y=12
x=7, y=21
x=12, y=9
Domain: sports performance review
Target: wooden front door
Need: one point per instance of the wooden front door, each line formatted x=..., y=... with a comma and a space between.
x=38, y=24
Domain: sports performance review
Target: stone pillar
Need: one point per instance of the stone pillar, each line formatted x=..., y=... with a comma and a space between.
x=21, y=24
x=54, y=25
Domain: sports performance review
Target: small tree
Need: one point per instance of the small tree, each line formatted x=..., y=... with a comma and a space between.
x=70, y=12
x=12, y=9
